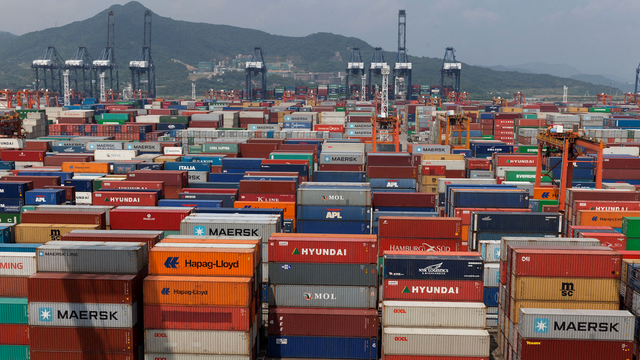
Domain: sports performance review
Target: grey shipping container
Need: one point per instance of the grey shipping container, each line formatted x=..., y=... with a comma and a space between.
x=490, y=250
x=200, y=341
x=89, y=208
x=491, y=275
x=347, y=158
x=197, y=176
x=576, y=324
x=338, y=196
x=83, y=315
x=435, y=342
x=92, y=257
x=543, y=241
x=355, y=297
x=434, y=314
x=323, y=274
x=236, y=225
x=264, y=249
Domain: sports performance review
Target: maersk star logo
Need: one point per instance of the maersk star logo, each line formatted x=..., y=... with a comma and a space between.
x=198, y=230
x=327, y=158
x=46, y=314
x=541, y=326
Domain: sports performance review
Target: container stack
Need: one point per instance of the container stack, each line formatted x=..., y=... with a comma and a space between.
x=575, y=334
x=490, y=252
x=391, y=172
x=556, y=278
x=342, y=156
x=334, y=208
x=269, y=192
x=329, y=282
x=200, y=298
x=432, y=306
x=495, y=225
x=401, y=204
x=85, y=300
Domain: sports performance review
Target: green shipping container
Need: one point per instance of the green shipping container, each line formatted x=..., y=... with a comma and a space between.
x=529, y=116
x=220, y=148
x=546, y=202
x=111, y=122
x=631, y=227
x=527, y=149
x=195, y=149
x=600, y=110
x=174, y=119
x=14, y=311
x=525, y=176
x=294, y=156
x=27, y=208
x=125, y=103
x=23, y=112
x=9, y=218
x=97, y=183
x=487, y=137
x=340, y=109
x=633, y=244
x=14, y=352
x=110, y=116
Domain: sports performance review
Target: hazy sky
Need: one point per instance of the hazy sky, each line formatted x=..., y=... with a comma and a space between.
x=594, y=36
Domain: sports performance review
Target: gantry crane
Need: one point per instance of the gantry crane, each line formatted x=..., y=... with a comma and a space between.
x=11, y=126
x=603, y=98
x=50, y=62
x=402, y=69
x=143, y=65
x=637, y=79
x=355, y=67
x=386, y=128
x=519, y=98
x=377, y=64
x=450, y=123
x=107, y=62
x=256, y=67
x=450, y=68
x=82, y=63
x=570, y=145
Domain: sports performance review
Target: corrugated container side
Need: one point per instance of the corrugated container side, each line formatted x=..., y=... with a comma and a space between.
x=197, y=317
x=536, y=349
x=565, y=289
x=84, y=339
x=14, y=334
x=586, y=264
x=436, y=342
x=323, y=296
x=199, y=341
x=420, y=227
x=83, y=315
x=327, y=250
x=576, y=324
x=202, y=261
x=86, y=288
x=433, y=314
x=13, y=286
x=193, y=290
x=72, y=355
x=433, y=290
x=109, y=258
x=326, y=322
x=323, y=347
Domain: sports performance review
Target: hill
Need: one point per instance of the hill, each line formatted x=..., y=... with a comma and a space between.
x=6, y=37
x=190, y=43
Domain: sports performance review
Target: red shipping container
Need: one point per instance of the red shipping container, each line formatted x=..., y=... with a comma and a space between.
x=434, y=170
x=14, y=334
x=572, y=233
x=75, y=355
x=329, y=128
x=86, y=340
x=58, y=159
x=340, y=249
x=418, y=357
x=621, y=163
x=13, y=286
x=403, y=199
x=267, y=187
x=87, y=288
x=566, y=263
x=515, y=160
x=629, y=254
x=419, y=227
x=39, y=182
x=171, y=192
x=340, y=167
x=197, y=317
x=615, y=241
x=134, y=185
x=326, y=322
x=478, y=164
x=455, y=174
x=621, y=174
x=69, y=191
x=602, y=195
x=465, y=213
x=208, y=191
x=147, y=219
x=110, y=236
x=268, y=197
x=539, y=349
x=169, y=177
x=42, y=145
x=125, y=198
x=433, y=290
x=389, y=159
x=422, y=245
x=391, y=172
x=65, y=217
x=24, y=155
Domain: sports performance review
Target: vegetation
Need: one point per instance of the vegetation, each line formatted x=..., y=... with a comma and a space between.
x=193, y=42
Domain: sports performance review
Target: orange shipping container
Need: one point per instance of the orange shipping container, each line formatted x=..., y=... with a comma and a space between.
x=603, y=218
x=187, y=239
x=86, y=167
x=202, y=261
x=198, y=290
x=289, y=207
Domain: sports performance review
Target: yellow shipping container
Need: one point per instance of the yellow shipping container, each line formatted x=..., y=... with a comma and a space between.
x=442, y=157
x=511, y=109
x=431, y=180
x=42, y=233
x=516, y=305
x=164, y=159
x=427, y=189
x=564, y=289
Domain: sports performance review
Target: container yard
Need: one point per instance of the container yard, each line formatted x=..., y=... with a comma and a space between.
x=388, y=221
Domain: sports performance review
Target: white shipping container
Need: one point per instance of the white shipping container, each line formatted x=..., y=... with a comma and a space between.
x=448, y=164
x=148, y=119
x=83, y=315
x=92, y=257
x=443, y=182
x=434, y=314
x=576, y=324
x=7, y=143
x=435, y=342
x=17, y=264
x=490, y=251
x=491, y=275
x=544, y=241
x=343, y=147
x=156, y=356
x=501, y=170
x=199, y=341
x=84, y=198
x=109, y=155
x=82, y=114
x=621, y=150
x=173, y=150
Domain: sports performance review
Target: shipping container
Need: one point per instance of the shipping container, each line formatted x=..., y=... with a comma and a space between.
x=17, y=264
x=14, y=334
x=543, y=241
x=83, y=315
x=198, y=342
x=15, y=352
x=86, y=288
x=433, y=290
x=435, y=342
x=576, y=324
x=566, y=289
x=566, y=263
x=418, y=245
x=198, y=317
x=326, y=322
x=194, y=290
x=433, y=266
x=42, y=233
x=514, y=306
x=71, y=217
x=322, y=347
x=434, y=314
x=125, y=198
x=338, y=249
x=323, y=274
x=47, y=338
x=420, y=227
x=206, y=261
x=165, y=356
x=92, y=257
x=148, y=237
x=13, y=286
x=317, y=296
x=536, y=349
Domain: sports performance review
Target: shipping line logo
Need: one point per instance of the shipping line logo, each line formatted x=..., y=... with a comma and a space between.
x=323, y=252
x=45, y=314
x=435, y=269
x=541, y=326
x=199, y=230
x=567, y=289
x=319, y=296
x=333, y=214
x=172, y=263
x=431, y=290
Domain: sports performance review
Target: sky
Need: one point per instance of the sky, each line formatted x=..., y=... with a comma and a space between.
x=596, y=37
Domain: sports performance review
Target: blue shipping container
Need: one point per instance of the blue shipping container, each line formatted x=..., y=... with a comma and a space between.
x=333, y=227
x=7, y=165
x=241, y=163
x=215, y=185
x=340, y=176
x=187, y=166
x=81, y=185
x=540, y=223
x=338, y=213
x=211, y=159
x=490, y=199
x=190, y=203
x=45, y=197
x=64, y=175
x=150, y=166
x=227, y=199
x=433, y=267
x=301, y=169
x=28, y=248
x=393, y=183
x=123, y=168
x=225, y=177
x=13, y=189
x=322, y=347
x=491, y=296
